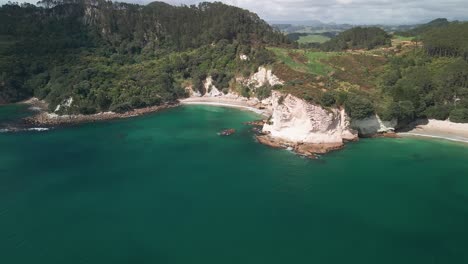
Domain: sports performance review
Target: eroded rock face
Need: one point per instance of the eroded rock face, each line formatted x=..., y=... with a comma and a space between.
x=296, y=120
x=191, y=92
x=64, y=105
x=263, y=77
x=210, y=88
x=373, y=125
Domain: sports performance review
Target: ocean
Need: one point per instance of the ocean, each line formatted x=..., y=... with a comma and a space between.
x=165, y=188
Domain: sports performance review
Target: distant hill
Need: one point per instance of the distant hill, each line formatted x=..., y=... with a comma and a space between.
x=310, y=23
x=358, y=38
x=420, y=29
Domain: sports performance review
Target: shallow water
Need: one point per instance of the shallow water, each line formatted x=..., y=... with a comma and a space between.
x=13, y=112
x=164, y=188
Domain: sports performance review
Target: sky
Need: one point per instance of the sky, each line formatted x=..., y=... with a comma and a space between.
x=344, y=11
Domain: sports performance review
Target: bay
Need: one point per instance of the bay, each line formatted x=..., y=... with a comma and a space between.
x=165, y=188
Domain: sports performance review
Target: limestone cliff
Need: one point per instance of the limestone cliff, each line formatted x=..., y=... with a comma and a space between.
x=296, y=120
x=263, y=77
x=210, y=88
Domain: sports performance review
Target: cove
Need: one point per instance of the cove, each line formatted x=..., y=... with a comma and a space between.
x=165, y=188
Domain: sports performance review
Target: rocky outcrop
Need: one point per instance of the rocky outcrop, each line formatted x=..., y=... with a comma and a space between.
x=64, y=105
x=263, y=77
x=373, y=125
x=210, y=88
x=191, y=92
x=304, y=149
x=296, y=120
x=243, y=57
x=51, y=119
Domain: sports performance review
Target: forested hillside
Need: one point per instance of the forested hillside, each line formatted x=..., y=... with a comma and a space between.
x=428, y=78
x=358, y=38
x=432, y=81
x=119, y=56
x=436, y=23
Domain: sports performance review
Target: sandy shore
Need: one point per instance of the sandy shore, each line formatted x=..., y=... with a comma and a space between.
x=440, y=130
x=251, y=105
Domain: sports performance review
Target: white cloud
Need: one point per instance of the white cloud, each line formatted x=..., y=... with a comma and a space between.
x=346, y=11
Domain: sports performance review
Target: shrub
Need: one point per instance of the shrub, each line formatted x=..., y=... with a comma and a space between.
x=277, y=87
x=245, y=91
x=439, y=112
x=153, y=101
x=136, y=102
x=121, y=108
x=406, y=112
x=87, y=110
x=389, y=112
x=459, y=115
x=328, y=99
x=358, y=107
x=340, y=97
x=281, y=100
x=263, y=92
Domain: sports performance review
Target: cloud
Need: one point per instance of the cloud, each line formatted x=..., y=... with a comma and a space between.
x=346, y=11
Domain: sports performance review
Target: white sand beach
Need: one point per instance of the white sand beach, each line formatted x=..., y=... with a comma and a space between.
x=439, y=129
x=227, y=102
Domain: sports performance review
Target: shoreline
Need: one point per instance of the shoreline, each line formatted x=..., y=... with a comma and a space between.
x=427, y=129
x=46, y=119
x=223, y=102
x=438, y=129
x=431, y=136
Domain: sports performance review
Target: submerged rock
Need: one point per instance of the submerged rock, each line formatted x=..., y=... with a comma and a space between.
x=309, y=150
x=227, y=132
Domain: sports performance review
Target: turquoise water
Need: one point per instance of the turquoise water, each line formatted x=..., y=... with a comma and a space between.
x=165, y=188
x=9, y=113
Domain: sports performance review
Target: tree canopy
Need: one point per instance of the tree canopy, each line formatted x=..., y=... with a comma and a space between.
x=358, y=38
x=116, y=56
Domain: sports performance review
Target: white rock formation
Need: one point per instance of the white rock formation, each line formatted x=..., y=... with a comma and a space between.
x=243, y=57
x=211, y=90
x=296, y=120
x=191, y=92
x=66, y=103
x=373, y=125
x=262, y=77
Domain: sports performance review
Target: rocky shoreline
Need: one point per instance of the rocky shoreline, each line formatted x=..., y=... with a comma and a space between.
x=303, y=149
x=47, y=119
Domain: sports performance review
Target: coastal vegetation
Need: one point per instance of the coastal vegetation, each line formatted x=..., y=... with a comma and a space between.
x=118, y=56
x=306, y=38
x=426, y=78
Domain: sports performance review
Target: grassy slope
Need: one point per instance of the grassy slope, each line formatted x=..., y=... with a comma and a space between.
x=312, y=39
x=401, y=38
x=304, y=60
x=308, y=74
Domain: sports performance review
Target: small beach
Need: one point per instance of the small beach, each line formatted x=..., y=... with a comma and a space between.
x=439, y=129
x=227, y=102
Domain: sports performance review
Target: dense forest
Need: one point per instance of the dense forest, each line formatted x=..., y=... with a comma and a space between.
x=431, y=81
x=118, y=56
x=358, y=38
